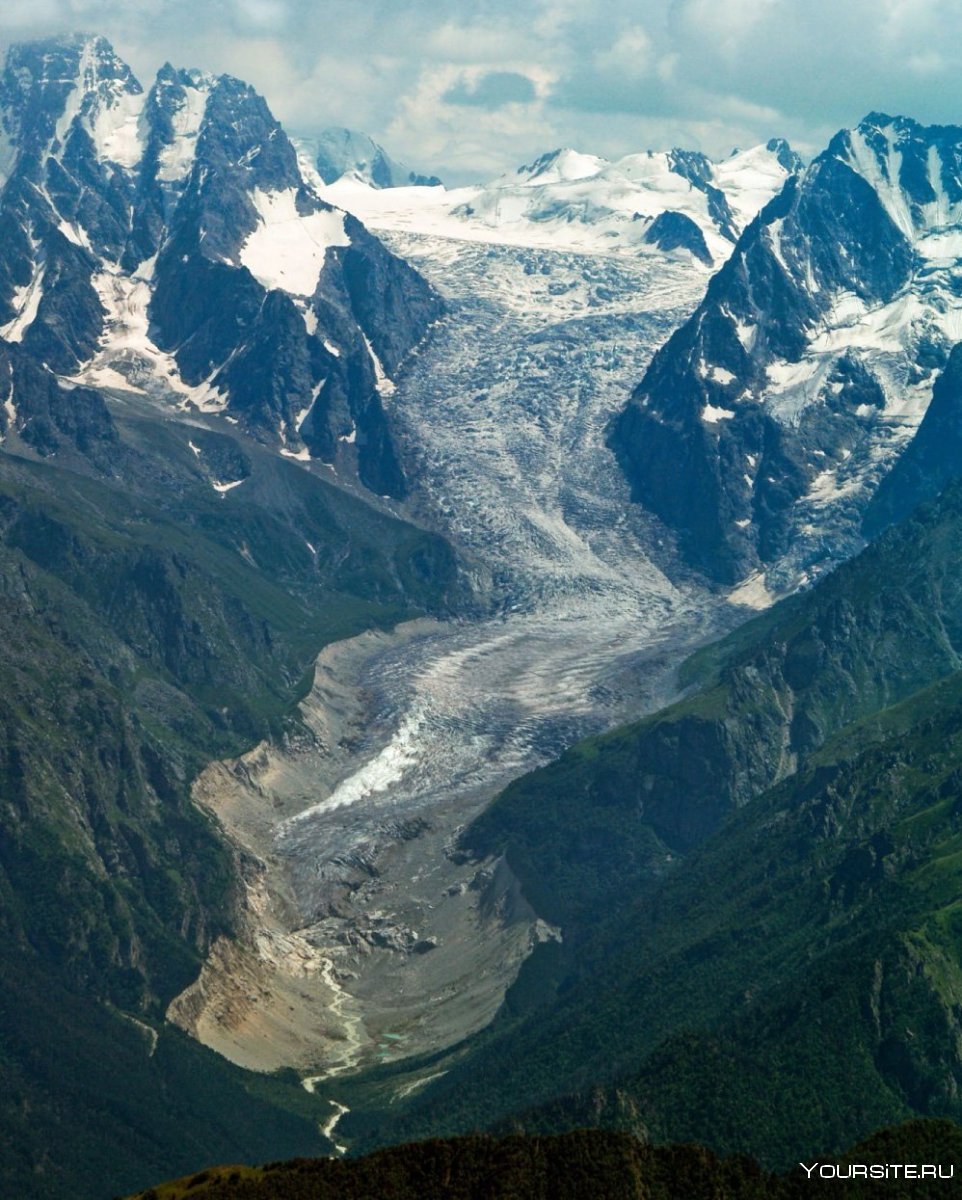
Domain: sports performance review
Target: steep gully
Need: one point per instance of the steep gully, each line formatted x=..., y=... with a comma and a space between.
x=369, y=937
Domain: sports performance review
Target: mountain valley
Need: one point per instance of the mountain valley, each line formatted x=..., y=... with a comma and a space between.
x=366, y=544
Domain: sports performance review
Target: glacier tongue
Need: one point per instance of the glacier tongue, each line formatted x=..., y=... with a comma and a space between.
x=400, y=943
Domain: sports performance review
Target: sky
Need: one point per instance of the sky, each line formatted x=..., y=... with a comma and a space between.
x=470, y=88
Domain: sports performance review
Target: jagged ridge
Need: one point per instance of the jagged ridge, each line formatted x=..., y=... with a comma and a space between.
x=762, y=427
x=171, y=236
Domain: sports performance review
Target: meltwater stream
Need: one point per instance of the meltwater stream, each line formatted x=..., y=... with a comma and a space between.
x=371, y=938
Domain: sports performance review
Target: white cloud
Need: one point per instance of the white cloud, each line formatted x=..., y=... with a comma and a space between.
x=262, y=14
x=610, y=78
x=631, y=54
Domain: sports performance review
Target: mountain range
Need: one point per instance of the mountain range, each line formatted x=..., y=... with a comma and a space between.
x=677, y=201
x=769, y=418
x=167, y=241
x=262, y=398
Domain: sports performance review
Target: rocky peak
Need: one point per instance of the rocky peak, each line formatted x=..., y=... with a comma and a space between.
x=784, y=155
x=691, y=165
x=810, y=362
x=172, y=237
x=55, y=89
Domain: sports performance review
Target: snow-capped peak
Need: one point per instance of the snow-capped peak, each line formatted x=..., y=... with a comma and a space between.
x=812, y=358
x=914, y=169
x=49, y=87
x=674, y=202
x=560, y=166
x=336, y=152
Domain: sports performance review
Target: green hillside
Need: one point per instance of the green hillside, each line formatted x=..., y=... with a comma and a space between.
x=151, y=624
x=582, y=1165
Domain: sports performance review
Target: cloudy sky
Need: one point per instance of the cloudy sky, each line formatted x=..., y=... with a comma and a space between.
x=468, y=88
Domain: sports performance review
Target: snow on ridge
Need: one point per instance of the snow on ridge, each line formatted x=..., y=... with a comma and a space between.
x=749, y=179
x=562, y=166
x=883, y=177
x=110, y=107
x=176, y=159
x=883, y=174
x=287, y=249
x=569, y=201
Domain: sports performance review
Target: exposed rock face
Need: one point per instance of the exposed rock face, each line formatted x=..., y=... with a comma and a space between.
x=763, y=426
x=35, y=406
x=170, y=235
x=932, y=459
x=673, y=231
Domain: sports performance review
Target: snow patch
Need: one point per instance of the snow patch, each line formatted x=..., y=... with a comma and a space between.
x=118, y=132
x=385, y=385
x=827, y=487
x=287, y=249
x=711, y=415
x=26, y=303
x=127, y=355
x=74, y=233
x=10, y=409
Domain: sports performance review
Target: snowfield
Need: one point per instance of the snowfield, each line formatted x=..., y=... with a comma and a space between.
x=572, y=201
